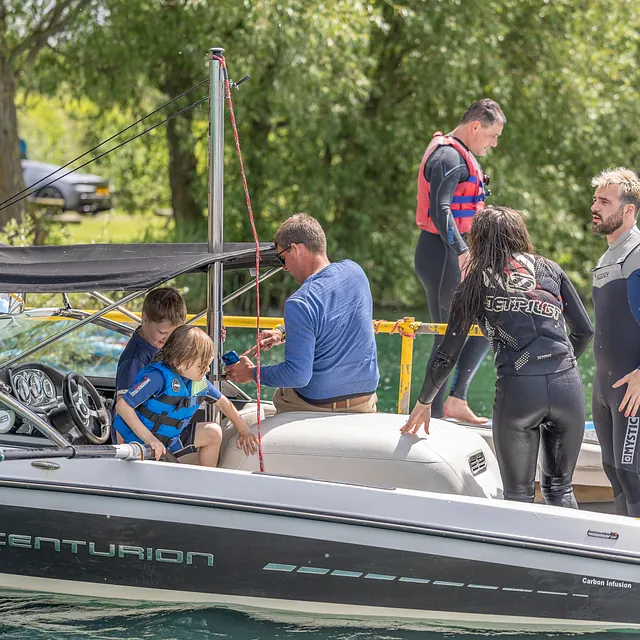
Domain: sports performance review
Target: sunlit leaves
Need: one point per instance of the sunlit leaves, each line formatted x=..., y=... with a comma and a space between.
x=345, y=95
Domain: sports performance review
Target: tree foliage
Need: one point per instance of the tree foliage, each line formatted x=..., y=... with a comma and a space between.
x=343, y=99
x=26, y=28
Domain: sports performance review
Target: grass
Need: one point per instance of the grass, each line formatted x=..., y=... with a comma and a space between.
x=112, y=226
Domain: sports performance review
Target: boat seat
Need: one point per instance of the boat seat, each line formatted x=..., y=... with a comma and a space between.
x=369, y=449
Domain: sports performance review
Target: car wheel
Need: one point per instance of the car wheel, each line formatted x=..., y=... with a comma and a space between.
x=50, y=192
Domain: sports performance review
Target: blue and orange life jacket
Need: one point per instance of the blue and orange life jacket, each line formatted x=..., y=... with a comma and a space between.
x=169, y=412
x=468, y=197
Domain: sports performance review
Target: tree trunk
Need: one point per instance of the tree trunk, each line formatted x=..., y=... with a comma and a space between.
x=11, y=180
x=183, y=176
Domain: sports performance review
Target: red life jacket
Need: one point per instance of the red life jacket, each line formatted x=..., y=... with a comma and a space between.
x=468, y=197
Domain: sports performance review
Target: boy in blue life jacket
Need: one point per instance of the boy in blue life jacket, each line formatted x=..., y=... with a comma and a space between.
x=168, y=391
x=163, y=310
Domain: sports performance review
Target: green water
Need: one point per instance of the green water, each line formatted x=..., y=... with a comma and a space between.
x=36, y=617
x=481, y=391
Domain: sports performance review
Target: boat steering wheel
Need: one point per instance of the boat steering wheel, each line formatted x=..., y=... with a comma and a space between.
x=86, y=408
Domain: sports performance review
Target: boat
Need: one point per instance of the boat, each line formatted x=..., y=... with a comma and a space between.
x=350, y=520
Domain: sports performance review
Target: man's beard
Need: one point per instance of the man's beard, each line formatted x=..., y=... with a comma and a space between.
x=607, y=227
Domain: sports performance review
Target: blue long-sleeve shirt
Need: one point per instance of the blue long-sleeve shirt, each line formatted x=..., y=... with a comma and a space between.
x=330, y=348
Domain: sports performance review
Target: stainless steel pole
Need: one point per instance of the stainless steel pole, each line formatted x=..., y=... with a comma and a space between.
x=215, y=213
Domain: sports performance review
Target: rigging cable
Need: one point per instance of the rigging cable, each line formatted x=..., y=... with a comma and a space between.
x=223, y=65
x=14, y=199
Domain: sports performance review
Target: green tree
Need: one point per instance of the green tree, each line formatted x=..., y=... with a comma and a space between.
x=141, y=55
x=156, y=50
x=343, y=100
x=26, y=27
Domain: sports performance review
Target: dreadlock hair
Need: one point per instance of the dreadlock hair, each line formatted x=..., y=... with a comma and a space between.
x=497, y=233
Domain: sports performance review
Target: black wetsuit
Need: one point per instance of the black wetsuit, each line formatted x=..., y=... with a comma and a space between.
x=539, y=401
x=617, y=352
x=436, y=264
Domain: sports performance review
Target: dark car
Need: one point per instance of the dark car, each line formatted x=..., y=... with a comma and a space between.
x=82, y=192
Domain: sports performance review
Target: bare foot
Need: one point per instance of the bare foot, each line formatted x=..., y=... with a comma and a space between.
x=459, y=410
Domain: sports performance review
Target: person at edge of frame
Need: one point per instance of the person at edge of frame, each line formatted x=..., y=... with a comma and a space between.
x=616, y=346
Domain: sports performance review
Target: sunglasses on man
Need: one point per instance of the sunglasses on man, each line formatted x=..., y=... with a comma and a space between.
x=279, y=255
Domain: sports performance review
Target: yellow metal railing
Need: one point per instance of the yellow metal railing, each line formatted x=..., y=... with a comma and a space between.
x=407, y=329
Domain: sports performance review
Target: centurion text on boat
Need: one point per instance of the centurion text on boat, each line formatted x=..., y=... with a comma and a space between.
x=173, y=556
x=350, y=519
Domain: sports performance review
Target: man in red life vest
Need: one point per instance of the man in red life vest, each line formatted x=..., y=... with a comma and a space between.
x=451, y=188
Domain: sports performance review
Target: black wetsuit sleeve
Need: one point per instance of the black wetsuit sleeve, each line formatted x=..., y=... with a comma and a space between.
x=446, y=356
x=444, y=170
x=576, y=315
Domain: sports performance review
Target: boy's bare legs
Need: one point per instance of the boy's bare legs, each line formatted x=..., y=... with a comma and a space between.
x=208, y=440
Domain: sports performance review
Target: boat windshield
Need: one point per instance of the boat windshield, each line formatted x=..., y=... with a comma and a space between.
x=92, y=349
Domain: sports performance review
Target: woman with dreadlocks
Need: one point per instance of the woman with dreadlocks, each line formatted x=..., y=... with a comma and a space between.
x=520, y=300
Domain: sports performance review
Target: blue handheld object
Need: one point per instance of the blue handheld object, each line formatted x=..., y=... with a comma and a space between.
x=231, y=357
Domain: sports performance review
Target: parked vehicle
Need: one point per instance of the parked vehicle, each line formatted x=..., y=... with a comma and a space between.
x=82, y=192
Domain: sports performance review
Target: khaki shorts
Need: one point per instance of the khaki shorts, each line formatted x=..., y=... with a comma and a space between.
x=288, y=400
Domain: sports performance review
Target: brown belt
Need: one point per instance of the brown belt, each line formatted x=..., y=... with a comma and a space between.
x=345, y=404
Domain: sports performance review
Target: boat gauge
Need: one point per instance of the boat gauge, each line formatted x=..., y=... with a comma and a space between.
x=22, y=389
x=48, y=389
x=35, y=386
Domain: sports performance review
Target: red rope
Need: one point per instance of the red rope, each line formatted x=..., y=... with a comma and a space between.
x=223, y=64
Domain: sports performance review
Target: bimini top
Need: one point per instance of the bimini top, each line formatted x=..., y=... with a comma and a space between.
x=113, y=267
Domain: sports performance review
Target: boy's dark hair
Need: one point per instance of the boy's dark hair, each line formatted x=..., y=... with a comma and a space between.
x=165, y=305
x=486, y=111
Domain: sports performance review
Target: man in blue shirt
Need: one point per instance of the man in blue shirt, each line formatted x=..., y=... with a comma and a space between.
x=330, y=350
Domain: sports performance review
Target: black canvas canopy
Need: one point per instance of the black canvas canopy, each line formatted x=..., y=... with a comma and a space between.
x=112, y=267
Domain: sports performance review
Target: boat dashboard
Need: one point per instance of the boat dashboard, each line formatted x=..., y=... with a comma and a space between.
x=37, y=386
x=41, y=389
